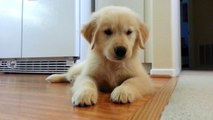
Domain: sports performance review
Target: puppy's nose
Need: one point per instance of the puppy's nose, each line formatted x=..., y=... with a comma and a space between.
x=120, y=52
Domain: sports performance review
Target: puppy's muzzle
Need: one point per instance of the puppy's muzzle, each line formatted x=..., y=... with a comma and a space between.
x=120, y=52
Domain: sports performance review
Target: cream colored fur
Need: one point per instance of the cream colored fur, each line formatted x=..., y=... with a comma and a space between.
x=126, y=77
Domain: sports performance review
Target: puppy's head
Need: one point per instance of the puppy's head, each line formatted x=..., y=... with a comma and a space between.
x=115, y=32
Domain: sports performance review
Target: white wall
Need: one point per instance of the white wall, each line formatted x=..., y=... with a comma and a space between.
x=148, y=15
x=166, y=37
x=85, y=15
x=176, y=36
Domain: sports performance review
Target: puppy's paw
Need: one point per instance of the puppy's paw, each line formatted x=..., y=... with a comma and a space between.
x=56, y=78
x=85, y=97
x=122, y=94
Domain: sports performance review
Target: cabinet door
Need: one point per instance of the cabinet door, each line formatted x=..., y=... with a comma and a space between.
x=135, y=5
x=50, y=28
x=10, y=28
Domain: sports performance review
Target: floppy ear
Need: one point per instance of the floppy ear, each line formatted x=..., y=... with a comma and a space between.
x=89, y=31
x=142, y=35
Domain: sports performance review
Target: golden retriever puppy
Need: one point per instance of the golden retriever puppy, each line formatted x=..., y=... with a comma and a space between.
x=116, y=36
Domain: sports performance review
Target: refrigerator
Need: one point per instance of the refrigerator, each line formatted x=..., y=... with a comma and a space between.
x=42, y=36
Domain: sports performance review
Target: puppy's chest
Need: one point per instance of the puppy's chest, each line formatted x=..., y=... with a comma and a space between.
x=113, y=75
x=108, y=78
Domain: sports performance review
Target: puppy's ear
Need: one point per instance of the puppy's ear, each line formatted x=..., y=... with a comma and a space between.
x=89, y=31
x=142, y=35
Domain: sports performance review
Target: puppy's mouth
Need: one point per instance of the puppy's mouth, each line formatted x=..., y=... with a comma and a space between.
x=115, y=59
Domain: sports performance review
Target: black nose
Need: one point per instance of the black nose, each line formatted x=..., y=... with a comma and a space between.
x=120, y=52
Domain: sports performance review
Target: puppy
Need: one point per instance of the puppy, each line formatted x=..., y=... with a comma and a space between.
x=116, y=36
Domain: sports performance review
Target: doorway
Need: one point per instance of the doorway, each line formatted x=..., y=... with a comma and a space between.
x=197, y=34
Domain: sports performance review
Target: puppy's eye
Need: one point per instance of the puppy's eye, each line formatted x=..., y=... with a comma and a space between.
x=129, y=32
x=108, y=32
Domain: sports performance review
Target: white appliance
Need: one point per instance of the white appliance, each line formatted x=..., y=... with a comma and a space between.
x=41, y=36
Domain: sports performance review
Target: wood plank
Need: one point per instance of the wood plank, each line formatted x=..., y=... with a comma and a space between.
x=154, y=107
x=30, y=97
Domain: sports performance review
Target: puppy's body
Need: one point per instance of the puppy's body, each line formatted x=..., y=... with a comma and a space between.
x=113, y=64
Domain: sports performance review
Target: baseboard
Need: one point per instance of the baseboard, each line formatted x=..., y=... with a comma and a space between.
x=165, y=72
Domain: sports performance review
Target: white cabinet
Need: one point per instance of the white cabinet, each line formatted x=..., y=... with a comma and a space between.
x=10, y=28
x=51, y=28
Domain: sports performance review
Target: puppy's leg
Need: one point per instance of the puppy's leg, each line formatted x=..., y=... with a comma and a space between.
x=56, y=78
x=85, y=91
x=72, y=73
x=75, y=71
x=131, y=89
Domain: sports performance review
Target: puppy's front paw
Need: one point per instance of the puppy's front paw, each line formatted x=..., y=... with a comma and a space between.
x=85, y=97
x=122, y=94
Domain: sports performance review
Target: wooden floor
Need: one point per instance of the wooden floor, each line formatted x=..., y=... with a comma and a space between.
x=30, y=97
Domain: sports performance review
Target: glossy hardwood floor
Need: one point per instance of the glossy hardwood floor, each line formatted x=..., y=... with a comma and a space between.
x=30, y=97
